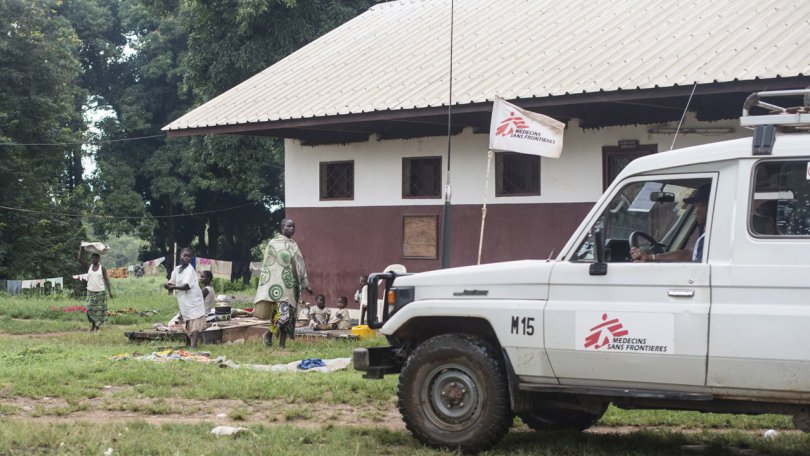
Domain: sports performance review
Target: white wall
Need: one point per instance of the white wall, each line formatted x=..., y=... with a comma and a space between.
x=575, y=177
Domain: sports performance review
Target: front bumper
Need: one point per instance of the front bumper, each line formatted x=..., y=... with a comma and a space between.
x=376, y=362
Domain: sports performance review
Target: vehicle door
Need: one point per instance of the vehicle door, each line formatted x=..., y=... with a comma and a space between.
x=760, y=315
x=640, y=322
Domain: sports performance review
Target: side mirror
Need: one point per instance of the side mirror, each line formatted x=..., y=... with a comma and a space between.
x=600, y=267
x=662, y=197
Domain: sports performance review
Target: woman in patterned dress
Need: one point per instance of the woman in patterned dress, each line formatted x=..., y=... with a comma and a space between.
x=283, y=276
x=97, y=287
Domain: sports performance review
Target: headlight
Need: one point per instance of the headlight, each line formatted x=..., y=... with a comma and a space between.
x=399, y=296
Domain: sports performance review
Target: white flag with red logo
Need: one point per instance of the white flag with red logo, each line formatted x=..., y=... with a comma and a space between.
x=516, y=130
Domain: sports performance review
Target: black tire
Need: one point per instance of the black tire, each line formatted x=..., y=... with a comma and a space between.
x=557, y=419
x=453, y=394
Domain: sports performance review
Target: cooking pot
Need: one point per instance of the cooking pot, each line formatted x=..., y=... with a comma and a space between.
x=223, y=313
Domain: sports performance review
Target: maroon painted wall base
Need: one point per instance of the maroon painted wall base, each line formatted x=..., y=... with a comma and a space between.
x=341, y=243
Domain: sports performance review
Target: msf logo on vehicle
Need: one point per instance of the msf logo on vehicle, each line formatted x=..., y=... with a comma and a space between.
x=510, y=125
x=598, y=335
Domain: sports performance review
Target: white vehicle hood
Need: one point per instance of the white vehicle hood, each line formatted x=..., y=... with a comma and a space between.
x=527, y=279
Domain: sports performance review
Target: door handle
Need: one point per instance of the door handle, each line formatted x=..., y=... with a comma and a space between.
x=681, y=293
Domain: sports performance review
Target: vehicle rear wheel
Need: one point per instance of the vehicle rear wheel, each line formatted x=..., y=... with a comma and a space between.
x=555, y=419
x=453, y=393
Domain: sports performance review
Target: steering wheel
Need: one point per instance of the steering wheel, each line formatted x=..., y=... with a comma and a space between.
x=655, y=246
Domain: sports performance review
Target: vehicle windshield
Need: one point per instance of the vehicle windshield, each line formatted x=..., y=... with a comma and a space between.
x=655, y=208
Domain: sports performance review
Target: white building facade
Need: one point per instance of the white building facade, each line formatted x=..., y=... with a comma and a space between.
x=372, y=227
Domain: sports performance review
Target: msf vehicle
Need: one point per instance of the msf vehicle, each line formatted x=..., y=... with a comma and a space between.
x=686, y=287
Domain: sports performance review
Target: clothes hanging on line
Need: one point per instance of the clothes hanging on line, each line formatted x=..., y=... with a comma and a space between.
x=13, y=287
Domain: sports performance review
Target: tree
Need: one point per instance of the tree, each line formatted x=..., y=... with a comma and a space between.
x=185, y=53
x=39, y=100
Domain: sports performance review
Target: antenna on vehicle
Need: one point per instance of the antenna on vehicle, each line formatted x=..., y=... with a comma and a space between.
x=445, y=262
x=550, y=255
x=685, y=108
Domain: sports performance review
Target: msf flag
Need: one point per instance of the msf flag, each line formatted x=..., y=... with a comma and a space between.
x=516, y=130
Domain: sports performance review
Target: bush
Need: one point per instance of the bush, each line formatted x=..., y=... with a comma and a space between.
x=222, y=286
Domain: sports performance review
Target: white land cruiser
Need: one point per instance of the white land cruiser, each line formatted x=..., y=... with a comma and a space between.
x=726, y=328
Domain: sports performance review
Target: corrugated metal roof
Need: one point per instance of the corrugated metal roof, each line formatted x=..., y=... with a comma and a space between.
x=395, y=56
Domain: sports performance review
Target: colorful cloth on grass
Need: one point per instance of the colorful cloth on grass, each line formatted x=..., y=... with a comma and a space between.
x=97, y=307
x=170, y=355
x=311, y=363
x=329, y=365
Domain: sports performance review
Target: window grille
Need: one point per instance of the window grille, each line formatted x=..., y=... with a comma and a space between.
x=516, y=174
x=337, y=180
x=422, y=177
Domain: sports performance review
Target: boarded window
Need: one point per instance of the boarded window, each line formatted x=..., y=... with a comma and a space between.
x=516, y=174
x=422, y=177
x=419, y=236
x=337, y=180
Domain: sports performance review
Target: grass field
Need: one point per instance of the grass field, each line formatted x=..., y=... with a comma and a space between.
x=62, y=393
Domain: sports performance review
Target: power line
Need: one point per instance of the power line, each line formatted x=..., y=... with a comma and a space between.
x=82, y=143
x=121, y=217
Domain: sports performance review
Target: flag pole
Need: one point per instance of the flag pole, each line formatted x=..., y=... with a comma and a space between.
x=484, y=207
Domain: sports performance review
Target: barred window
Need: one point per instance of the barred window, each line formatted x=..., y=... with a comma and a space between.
x=516, y=174
x=337, y=180
x=422, y=177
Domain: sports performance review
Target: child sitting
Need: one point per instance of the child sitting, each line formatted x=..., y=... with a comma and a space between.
x=340, y=320
x=319, y=315
x=207, y=290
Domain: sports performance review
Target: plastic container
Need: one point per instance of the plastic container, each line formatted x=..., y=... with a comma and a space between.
x=364, y=332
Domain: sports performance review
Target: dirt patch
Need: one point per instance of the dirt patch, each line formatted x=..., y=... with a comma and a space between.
x=107, y=408
x=218, y=411
x=40, y=335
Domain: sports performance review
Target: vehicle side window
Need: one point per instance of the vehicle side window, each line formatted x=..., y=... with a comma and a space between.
x=780, y=201
x=656, y=216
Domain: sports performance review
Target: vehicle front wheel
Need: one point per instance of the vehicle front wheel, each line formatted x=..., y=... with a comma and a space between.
x=554, y=419
x=453, y=393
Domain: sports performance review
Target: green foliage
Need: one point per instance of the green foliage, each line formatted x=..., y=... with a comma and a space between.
x=39, y=104
x=222, y=286
x=187, y=53
x=149, y=62
x=124, y=251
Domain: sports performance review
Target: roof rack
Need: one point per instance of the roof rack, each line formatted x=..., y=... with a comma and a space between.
x=793, y=118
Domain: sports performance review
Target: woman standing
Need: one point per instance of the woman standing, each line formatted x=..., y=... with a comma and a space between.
x=185, y=283
x=97, y=287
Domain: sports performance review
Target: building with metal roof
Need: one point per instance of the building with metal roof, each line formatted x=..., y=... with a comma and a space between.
x=364, y=108
x=389, y=68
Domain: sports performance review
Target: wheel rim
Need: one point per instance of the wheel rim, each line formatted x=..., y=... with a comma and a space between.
x=454, y=396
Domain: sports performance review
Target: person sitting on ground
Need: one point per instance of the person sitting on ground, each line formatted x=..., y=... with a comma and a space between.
x=189, y=296
x=209, y=297
x=319, y=315
x=340, y=320
x=97, y=287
